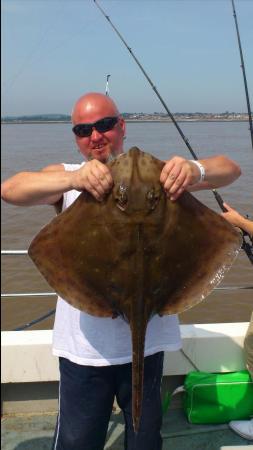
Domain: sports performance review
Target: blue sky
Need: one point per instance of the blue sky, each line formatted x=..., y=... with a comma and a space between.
x=55, y=50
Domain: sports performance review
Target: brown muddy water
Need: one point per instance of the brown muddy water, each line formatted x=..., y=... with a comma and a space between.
x=33, y=146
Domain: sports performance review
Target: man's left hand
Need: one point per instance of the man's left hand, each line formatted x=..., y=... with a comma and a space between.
x=177, y=174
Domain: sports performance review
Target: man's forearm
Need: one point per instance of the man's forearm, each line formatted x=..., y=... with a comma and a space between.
x=219, y=171
x=47, y=186
x=34, y=188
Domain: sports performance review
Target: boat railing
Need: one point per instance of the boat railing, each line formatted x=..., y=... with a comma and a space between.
x=53, y=294
x=27, y=294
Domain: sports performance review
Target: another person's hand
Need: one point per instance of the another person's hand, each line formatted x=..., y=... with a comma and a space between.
x=232, y=216
x=237, y=219
x=94, y=177
x=177, y=174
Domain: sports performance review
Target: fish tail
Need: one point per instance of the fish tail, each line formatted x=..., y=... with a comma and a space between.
x=138, y=338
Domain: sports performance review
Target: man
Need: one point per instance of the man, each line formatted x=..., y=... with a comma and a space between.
x=95, y=353
x=243, y=427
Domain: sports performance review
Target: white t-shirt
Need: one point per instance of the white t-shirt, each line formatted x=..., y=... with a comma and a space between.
x=97, y=341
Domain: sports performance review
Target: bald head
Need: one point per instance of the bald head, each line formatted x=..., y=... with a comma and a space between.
x=89, y=109
x=95, y=105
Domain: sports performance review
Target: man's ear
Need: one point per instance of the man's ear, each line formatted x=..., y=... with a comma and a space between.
x=122, y=125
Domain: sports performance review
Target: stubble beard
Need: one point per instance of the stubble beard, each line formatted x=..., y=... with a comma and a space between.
x=105, y=157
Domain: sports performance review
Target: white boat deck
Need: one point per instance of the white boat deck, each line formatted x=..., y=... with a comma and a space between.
x=29, y=382
x=35, y=432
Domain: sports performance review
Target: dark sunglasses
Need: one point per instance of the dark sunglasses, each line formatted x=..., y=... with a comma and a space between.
x=102, y=125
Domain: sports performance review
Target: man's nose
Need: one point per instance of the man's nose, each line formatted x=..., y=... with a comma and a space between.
x=95, y=135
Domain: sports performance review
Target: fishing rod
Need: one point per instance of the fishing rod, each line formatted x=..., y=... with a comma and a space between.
x=216, y=194
x=245, y=246
x=244, y=73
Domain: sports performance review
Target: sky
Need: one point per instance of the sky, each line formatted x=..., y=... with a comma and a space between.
x=53, y=51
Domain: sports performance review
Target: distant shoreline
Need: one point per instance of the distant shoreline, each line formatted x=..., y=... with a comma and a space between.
x=34, y=122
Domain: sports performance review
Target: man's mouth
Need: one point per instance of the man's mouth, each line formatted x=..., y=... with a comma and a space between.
x=98, y=147
x=100, y=152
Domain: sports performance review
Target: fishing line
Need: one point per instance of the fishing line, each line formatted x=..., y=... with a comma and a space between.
x=38, y=44
x=33, y=322
x=244, y=73
x=245, y=246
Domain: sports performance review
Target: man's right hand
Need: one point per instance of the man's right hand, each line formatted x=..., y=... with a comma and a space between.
x=94, y=177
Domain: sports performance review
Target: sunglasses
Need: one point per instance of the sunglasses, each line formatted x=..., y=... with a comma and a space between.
x=102, y=125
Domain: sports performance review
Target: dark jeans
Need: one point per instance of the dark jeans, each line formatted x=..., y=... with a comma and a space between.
x=86, y=399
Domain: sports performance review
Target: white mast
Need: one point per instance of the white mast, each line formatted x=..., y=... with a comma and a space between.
x=107, y=85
